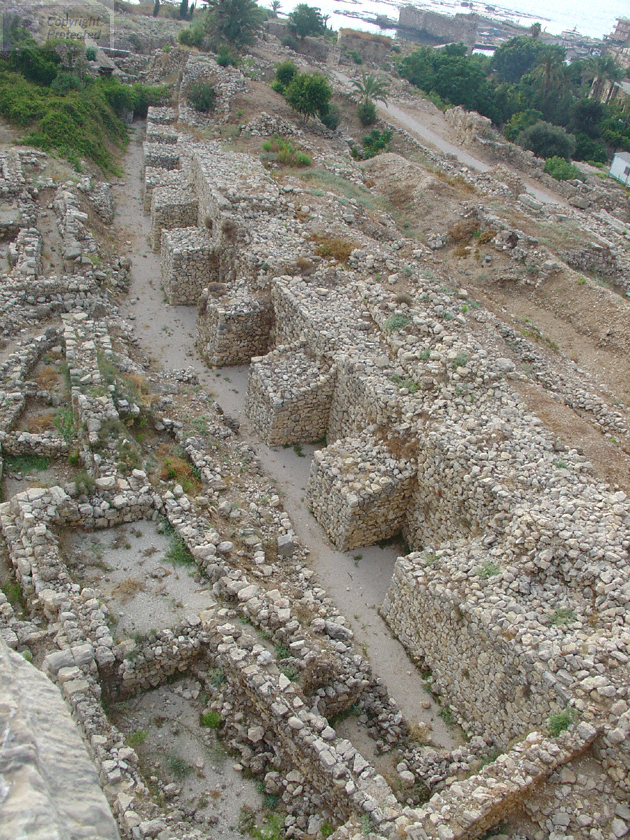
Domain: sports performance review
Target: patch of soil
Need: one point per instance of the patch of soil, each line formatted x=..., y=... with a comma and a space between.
x=144, y=586
x=184, y=763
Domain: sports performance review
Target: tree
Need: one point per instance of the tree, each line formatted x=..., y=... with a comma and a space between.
x=309, y=94
x=236, y=22
x=550, y=68
x=156, y=8
x=306, y=20
x=371, y=88
x=599, y=70
x=546, y=140
x=183, y=9
x=515, y=58
x=586, y=116
x=534, y=30
x=275, y=8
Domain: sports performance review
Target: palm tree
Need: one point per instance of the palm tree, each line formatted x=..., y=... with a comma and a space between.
x=371, y=89
x=550, y=69
x=601, y=69
x=275, y=7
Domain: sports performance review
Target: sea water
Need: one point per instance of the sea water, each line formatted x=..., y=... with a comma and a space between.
x=555, y=16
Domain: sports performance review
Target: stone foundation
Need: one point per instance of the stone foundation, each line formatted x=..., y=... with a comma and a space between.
x=230, y=331
x=171, y=207
x=289, y=396
x=188, y=264
x=360, y=490
x=161, y=155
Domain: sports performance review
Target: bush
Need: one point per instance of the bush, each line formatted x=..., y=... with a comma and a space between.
x=332, y=118
x=560, y=721
x=201, y=96
x=65, y=82
x=562, y=170
x=226, y=57
x=588, y=149
x=211, y=719
x=546, y=140
x=373, y=144
x=37, y=64
x=291, y=43
x=367, y=113
x=284, y=152
x=192, y=36
x=285, y=73
x=309, y=94
x=354, y=55
x=90, y=53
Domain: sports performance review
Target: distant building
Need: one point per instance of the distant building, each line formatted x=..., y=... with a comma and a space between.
x=618, y=42
x=620, y=168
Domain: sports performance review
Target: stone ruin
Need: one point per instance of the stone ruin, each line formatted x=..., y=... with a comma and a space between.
x=514, y=594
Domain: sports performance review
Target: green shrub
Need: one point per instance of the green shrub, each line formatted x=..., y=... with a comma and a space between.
x=309, y=94
x=75, y=123
x=90, y=53
x=192, y=36
x=37, y=64
x=226, y=57
x=332, y=118
x=354, y=55
x=201, y=96
x=559, y=721
x=546, y=140
x=285, y=74
x=396, y=322
x=212, y=720
x=283, y=151
x=376, y=142
x=367, y=113
x=562, y=170
x=65, y=82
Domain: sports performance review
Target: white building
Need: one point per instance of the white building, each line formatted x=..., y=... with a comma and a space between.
x=620, y=168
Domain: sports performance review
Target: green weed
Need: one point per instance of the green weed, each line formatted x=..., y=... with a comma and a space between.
x=212, y=720
x=559, y=721
x=27, y=463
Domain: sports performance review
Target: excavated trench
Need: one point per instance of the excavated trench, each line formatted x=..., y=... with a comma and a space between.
x=357, y=580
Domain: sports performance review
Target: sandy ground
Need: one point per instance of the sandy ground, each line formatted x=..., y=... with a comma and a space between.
x=143, y=589
x=164, y=727
x=358, y=580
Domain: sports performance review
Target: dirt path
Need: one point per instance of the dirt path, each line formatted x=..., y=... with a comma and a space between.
x=357, y=581
x=434, y=132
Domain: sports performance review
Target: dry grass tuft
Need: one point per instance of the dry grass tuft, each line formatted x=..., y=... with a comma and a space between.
x=41, y=423
x=463, y=231
x=128, y=589
x=333, y=247
x=47, y=377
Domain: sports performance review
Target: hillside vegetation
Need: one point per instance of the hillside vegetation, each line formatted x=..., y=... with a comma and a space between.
x=48, y=91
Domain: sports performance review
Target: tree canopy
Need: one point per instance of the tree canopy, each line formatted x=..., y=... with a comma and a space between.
x=525, y=82
x=309, y=94
x=306, y=20
x=235, y=22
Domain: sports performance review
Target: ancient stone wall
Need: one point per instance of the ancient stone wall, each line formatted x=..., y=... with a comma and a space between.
x=360, y=490
x=171, y=207
x=289, y=396
x=189, y=263
x=231, y=330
